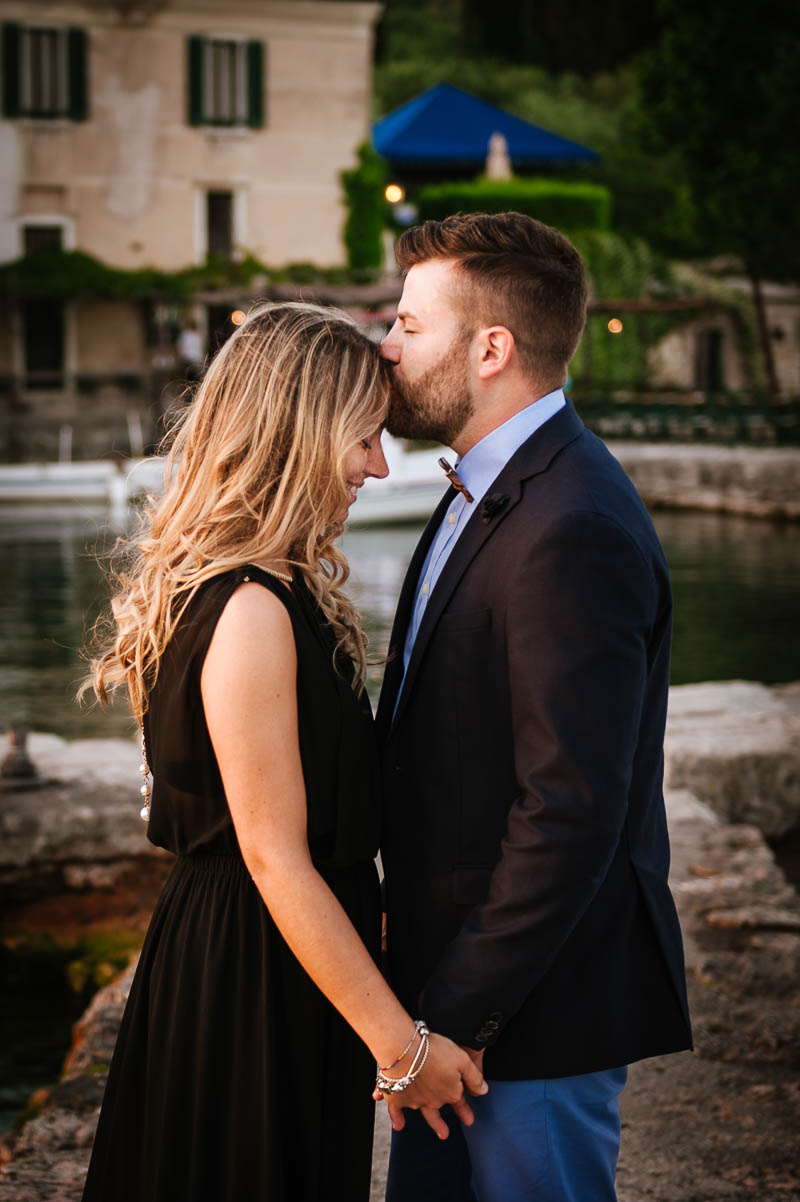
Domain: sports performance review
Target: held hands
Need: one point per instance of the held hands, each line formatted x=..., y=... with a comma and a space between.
x=448, y=1071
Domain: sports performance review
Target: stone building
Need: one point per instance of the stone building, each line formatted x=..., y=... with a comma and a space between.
x=709, y=353
x=154, y=134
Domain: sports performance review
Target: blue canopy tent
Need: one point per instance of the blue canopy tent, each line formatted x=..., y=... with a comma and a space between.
x=447, y=129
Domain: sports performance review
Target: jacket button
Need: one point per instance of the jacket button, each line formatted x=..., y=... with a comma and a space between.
x=397, y=768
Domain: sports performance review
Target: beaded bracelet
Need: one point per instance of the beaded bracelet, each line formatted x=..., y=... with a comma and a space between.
x=417, y=1026
x=393, y=1085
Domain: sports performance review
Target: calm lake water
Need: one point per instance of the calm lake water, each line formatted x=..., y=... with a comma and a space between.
x=736, y=583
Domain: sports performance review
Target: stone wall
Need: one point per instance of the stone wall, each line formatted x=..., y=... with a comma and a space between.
x=762, y=482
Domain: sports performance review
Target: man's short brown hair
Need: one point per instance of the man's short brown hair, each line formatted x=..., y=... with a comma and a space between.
x=514, y=272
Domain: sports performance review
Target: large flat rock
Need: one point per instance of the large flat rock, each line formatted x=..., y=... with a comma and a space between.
x=736, y=744
x=82, y=827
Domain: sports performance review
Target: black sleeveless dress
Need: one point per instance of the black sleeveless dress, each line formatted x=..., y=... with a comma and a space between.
x=233, y=1078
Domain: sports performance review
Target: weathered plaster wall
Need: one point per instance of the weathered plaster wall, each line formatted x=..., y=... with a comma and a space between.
x=133, y=176
x=109, y=336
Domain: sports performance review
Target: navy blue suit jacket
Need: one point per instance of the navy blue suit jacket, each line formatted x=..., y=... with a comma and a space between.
x=525, y=844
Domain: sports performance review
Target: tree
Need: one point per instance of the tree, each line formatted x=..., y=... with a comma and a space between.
x=367, y=210
x=719, y=91
x=581, y=36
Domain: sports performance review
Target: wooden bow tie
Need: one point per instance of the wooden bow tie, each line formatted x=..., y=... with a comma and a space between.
x=452, y=476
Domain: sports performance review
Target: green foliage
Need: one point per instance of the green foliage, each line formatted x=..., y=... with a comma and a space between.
x=418, y=28
x=619, y=267
x=68, y=275
x=585, y=36
x=566, y=204
x=367, y=209
x=593, y=37
x=218, y=273
x=718, y=91
x=65, y=273
x=38, y=959
x=98, y=958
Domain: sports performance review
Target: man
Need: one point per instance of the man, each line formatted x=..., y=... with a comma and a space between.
x=522, y=719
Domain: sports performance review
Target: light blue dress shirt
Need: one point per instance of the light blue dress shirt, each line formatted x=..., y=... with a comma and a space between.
x=478, y=469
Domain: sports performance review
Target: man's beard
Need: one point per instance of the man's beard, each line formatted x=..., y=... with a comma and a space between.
x=438, y=404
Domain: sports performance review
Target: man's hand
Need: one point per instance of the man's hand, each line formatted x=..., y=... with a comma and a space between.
x=475, y=1056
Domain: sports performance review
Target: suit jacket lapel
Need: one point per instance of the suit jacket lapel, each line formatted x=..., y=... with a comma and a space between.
x=533, y=457
x=394, y=667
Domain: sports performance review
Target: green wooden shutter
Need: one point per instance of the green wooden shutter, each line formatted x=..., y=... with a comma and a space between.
x=195, y=80
x=255, y=84
x=11, y=97
x=77, y=63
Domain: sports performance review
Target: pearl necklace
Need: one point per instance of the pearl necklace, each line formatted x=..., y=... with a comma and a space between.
x=146, y=789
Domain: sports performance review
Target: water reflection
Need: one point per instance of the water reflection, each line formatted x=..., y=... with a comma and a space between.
x=736, y=588
x=736, y=583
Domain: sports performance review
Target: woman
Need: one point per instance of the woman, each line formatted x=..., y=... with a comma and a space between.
x=240, y=1071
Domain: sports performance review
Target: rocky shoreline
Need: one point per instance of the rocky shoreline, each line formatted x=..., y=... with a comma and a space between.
x=718, y=1124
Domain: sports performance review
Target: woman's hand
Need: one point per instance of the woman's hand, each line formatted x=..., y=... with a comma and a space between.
x=449, y=1071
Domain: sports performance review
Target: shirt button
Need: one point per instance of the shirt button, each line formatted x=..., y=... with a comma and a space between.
x=451, y=517
x=424, y=590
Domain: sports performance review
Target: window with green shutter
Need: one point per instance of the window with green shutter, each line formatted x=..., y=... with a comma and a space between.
x=225, y=77
x=44, y=72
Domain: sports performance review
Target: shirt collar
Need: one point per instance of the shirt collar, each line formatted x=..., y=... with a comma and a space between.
x=484, y=462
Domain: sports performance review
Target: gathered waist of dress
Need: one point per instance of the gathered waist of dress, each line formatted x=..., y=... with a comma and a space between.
x=227, y=862
x=212, y=863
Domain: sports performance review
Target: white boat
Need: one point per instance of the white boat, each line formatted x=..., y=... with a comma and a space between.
x=93, y=480
x=410, y=494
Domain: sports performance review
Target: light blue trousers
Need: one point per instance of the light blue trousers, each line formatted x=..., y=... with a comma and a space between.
x=553, y=1140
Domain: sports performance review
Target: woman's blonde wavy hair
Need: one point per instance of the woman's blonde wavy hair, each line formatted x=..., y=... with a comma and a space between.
x=255, y=474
